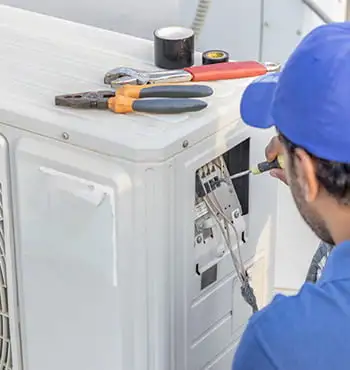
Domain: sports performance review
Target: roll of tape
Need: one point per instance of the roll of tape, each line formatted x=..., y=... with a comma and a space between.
x=215, y=56
x=173, y=47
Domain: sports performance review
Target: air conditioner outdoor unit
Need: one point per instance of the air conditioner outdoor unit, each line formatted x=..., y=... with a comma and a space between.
x=110, y=260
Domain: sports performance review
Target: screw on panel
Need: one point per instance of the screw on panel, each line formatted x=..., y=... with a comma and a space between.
x=220, y=253
x=185, y=144
x=65, y=135
x=199, y=239
x=236, y=214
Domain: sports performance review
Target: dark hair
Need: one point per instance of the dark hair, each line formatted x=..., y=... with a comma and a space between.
x=333, y=176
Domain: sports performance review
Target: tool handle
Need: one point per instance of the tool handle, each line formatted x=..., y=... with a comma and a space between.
x=267, y=166
x=123, y=104
x=226, y=71
x=165, y=91
x=169, y=106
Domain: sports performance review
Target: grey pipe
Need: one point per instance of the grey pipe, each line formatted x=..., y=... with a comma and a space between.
x=322, y=253
x=347, y=10
x=318, y=11
x=200, y=17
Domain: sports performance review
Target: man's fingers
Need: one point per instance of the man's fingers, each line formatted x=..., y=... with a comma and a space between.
x=279, y=174
x=273, y=149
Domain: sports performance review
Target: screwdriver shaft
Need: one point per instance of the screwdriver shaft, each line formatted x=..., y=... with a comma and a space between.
x=240, y=174
x=261, y=168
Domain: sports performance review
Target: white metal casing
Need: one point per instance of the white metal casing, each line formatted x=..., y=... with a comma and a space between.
x=266, y=30
x=101, y=210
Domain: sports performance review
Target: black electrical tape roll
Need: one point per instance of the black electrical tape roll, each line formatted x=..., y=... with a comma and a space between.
x=215, y=56
x=173, y=47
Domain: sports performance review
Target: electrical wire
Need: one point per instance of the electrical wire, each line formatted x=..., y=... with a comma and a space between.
x=227, y=242
x=229, y=223
x=246, y=290
x=217, y=205
x=215, y=209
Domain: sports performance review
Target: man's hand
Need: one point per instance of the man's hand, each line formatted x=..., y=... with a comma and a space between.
x=274, y=149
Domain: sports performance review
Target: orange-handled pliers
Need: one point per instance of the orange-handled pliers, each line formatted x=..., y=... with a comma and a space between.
x=125, y=99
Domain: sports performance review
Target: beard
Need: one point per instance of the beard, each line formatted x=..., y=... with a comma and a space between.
x=310, y=216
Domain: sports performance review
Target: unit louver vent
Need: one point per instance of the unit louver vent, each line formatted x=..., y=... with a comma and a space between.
x=5, y=344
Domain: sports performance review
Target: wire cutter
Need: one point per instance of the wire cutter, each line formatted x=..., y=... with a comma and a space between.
x=211, y=72
x=119, y=103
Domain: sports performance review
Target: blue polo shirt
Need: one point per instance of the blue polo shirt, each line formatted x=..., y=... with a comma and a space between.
x=308, y=331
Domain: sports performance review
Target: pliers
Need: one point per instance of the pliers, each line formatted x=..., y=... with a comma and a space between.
x=126, y=99
x=211, y=72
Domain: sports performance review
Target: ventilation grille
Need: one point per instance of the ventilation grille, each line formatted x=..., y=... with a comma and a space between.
x=5, y=344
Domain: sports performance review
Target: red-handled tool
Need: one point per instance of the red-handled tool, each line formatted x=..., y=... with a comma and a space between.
x=228, y=71
x=211, y=72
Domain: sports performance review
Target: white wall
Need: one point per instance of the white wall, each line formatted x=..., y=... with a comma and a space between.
x=134, y=17
x=285, y=22
x=248, y=29
x=227, y=25
x=336, y=9
x=233, y=25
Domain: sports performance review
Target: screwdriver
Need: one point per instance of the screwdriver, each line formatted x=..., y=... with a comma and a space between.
x=261, y=168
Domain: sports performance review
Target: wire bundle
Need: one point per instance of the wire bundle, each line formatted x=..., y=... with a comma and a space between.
x=215, y=209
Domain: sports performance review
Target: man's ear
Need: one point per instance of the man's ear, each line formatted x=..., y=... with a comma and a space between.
x=306, y=172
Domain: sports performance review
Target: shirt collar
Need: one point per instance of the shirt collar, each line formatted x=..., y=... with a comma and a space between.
x=338, y=264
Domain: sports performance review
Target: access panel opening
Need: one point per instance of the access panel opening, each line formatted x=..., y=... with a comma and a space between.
x=237, y=160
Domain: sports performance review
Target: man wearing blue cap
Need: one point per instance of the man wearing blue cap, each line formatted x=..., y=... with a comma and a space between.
x=309, y=104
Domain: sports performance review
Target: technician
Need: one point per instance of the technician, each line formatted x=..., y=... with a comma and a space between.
x=309, y=104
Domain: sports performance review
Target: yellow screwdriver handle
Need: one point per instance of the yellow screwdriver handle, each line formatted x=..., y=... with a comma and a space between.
x=262, y=167
x=280, y=160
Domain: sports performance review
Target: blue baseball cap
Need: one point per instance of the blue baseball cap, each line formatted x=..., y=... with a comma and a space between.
x=309, y=100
